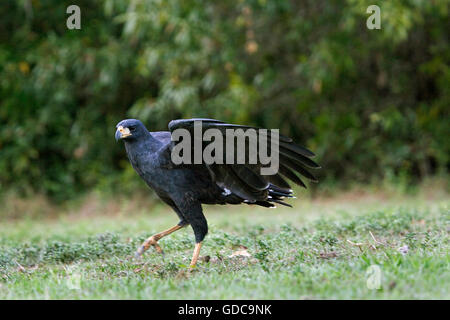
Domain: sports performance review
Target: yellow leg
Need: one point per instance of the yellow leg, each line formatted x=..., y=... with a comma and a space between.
x=153, y=241
x=196, y=254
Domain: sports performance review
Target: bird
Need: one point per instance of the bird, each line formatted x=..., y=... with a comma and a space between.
x=186, y=186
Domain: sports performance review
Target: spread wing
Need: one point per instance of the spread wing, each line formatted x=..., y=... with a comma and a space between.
x=245, y=180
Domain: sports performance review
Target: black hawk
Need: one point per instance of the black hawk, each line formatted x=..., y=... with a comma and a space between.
x=186, y=186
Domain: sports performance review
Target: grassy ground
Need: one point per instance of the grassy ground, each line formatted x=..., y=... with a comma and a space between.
x=346, y=247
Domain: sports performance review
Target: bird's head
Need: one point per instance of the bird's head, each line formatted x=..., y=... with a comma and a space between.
x=130, y=129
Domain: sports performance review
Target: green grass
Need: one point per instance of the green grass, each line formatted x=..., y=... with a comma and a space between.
x=318, y=250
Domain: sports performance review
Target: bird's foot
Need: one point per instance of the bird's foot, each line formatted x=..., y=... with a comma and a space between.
x=152, y=241
x=139, y=252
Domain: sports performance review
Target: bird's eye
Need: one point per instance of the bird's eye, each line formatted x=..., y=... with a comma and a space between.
x=132, y=128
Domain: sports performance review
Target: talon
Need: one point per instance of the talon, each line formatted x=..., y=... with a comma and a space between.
x=158, y=248
x=139, y=252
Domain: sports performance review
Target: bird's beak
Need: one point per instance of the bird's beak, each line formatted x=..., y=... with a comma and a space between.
x=122, y=132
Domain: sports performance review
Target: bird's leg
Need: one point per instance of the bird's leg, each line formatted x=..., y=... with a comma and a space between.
x=198, y=245
x=200, y=228
x=153, y=240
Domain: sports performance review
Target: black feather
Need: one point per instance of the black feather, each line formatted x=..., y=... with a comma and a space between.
x=297, y=167
x=298, y=158
x=291, y=175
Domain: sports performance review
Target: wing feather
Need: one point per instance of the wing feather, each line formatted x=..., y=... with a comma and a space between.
x=244, y=180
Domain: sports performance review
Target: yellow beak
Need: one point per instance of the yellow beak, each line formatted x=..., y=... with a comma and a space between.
x=124, y=132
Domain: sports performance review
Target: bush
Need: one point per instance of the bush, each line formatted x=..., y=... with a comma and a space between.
x=370, y=103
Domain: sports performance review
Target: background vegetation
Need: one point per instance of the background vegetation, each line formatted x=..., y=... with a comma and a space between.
x=373, y=104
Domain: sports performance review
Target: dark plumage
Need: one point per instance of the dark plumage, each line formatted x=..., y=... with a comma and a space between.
x=186, y=187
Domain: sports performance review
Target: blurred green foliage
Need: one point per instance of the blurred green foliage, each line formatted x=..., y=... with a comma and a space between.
x=370, y=103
